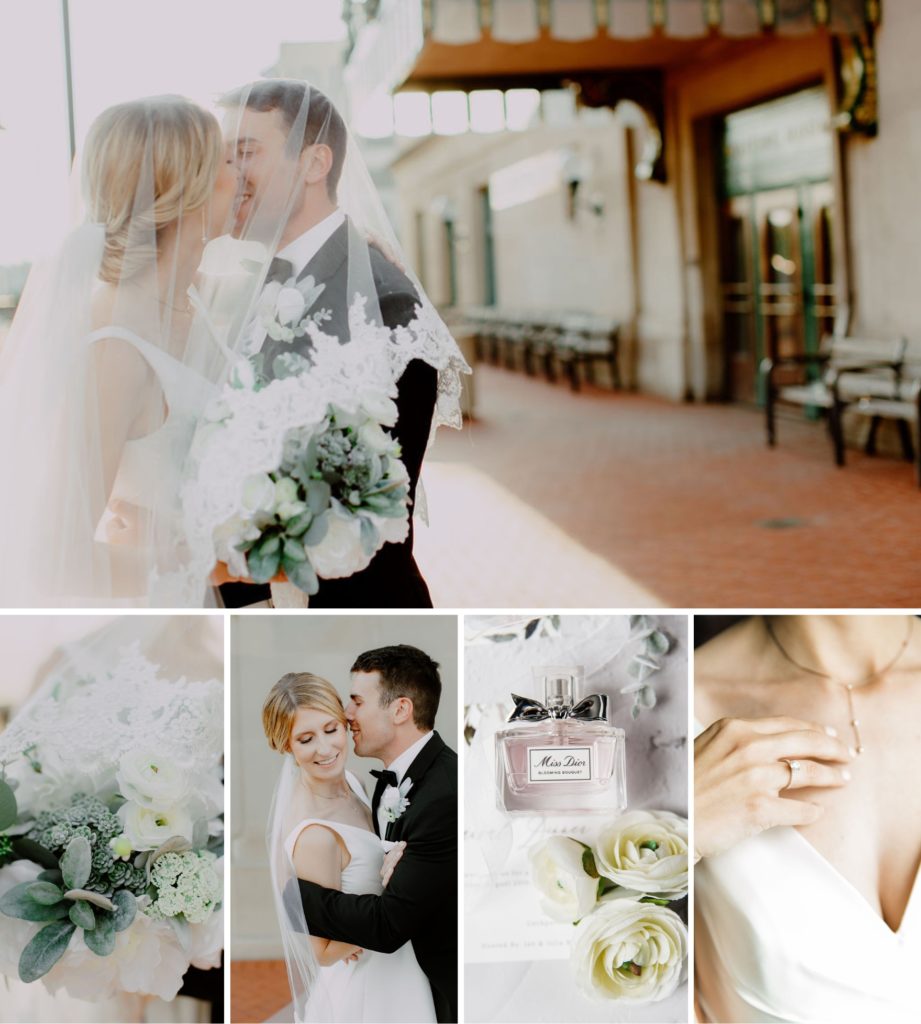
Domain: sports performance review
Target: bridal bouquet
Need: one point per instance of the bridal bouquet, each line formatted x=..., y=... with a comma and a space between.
x=298, y=473
x=110, y=853
x=629, y=945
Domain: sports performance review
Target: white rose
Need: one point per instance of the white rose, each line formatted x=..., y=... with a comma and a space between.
x=630, y=951
x=259, y=493
x=149, y=829
x=340, y=552
x=567, y=892
x=148, y=780
x=392, y=529
x=646, y=851
x=267, y=300
x=290, y=305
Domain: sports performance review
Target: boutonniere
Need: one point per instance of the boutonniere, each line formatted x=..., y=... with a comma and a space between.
x=283, y=308
x=394, y=800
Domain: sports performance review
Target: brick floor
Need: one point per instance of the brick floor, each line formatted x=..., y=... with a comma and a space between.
x=258, y=990
x=684, y=502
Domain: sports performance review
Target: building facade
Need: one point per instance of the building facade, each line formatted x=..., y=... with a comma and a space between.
x=727, y=189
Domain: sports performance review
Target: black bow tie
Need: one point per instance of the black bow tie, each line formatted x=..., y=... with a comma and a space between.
x=384, y=777
x=280, y=270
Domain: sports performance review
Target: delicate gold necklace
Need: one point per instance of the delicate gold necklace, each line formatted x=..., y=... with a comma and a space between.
x=848, y=687
x=320, y=796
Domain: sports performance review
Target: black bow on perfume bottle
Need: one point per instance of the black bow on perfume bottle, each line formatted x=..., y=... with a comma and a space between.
x=593, y=708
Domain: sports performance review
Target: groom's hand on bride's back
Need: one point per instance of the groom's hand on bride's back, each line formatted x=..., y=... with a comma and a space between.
x=391, y=859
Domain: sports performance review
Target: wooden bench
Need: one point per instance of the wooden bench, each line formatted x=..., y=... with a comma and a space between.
x=846, y=370
x=893, y=394
x=584, y=341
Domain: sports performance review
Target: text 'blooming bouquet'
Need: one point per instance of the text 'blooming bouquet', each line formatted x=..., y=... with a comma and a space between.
x=111, y=862
x=297, y=473
x=629, y=945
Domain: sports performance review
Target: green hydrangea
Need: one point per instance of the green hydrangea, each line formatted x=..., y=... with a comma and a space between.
x=89, y=817
x=186, y=885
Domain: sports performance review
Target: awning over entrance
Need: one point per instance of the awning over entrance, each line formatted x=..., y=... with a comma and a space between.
x=460, y=22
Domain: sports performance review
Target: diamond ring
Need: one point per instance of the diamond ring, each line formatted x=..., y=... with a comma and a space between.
x=794, y=767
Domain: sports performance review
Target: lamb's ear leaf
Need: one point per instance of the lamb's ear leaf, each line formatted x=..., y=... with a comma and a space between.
x=77, y=863
x=8, y=808
x=81, y=913
x=125, y=909
x=45, y=949
x=101, y=940
x=19, y=904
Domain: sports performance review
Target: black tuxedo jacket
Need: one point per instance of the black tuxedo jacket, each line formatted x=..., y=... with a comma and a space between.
x=419, y=904
x=392, y=580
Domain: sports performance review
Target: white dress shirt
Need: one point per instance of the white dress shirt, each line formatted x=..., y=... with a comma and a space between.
x=399, y=766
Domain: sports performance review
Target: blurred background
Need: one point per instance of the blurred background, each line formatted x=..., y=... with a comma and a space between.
x=263, y=649
x=622, y=207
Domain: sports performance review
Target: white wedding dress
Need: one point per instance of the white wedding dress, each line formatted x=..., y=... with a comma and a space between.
x=781, y=935
x=378, y=987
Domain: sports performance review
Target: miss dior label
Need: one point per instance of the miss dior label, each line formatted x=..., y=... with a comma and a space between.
x=559, y=764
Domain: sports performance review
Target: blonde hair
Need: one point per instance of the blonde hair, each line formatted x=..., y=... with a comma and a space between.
x=293, y=691
x=147, y=163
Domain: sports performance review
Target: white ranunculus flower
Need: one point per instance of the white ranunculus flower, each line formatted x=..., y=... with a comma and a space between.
x=290, y=305
x=567, y=892
x=259, y=493
x=285, y=491
x=646, y=851
x=630, y=951
x=150, y=780
x=392, y=529
x=267, y=300
x=340, y=552
x=149, y=829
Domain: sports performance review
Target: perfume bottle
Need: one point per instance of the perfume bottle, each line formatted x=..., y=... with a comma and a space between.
x=563, y=755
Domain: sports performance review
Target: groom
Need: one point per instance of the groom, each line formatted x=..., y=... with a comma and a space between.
x=391, y=712
x=300, y=176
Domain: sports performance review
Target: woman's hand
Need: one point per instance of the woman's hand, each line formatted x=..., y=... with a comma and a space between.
x=220, y=575
x=742, y=768
x=353, y=956
x=391, y=859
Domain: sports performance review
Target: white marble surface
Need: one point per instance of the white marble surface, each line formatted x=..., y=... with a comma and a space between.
x=526, y=990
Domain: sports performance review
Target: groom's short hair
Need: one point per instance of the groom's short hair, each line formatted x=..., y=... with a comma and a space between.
x=405, y=671
x=322, y=121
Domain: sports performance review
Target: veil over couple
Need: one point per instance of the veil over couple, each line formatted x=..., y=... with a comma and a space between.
x=203, y=254
x=365, y=889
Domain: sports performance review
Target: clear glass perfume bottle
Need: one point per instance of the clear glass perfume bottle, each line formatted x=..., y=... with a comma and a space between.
x=563, y=755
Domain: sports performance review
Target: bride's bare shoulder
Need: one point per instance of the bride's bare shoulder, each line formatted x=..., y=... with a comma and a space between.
x=103, y=306
x=721, y=667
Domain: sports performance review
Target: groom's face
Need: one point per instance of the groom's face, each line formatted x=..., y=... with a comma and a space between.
x=268, y=176
x=372, y=726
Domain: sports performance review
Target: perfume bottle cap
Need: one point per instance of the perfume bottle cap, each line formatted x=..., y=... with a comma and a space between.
x=561, y=684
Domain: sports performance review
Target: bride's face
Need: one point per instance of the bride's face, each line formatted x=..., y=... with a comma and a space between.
x=220, y=207
x=319, y=743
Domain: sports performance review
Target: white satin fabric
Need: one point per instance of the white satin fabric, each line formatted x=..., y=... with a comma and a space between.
x=378, y=987
x=781, y=935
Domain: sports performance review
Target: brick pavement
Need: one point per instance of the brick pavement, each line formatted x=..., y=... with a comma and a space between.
x=258, y=990
x=683, y=501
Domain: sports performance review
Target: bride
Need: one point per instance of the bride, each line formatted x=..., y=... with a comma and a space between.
x=808, y=820
x=320, y=830
x=103, y=373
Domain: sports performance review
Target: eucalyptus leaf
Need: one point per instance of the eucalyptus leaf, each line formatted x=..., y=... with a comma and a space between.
x=45, y=949
x=318, y=530
x=126, y=907
x=531, y=628
x=318, y=496
x=646, y=698
x=96, y=898
x=641, y=623
x=298, y=526
x=658, y=643
x=302, y=575
x=77, y=863
x=46, y=893
x=17, y=903
x=264, y=560
x=101, y=940
x=8, y=809
x=81, y=913
x=639, y=671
